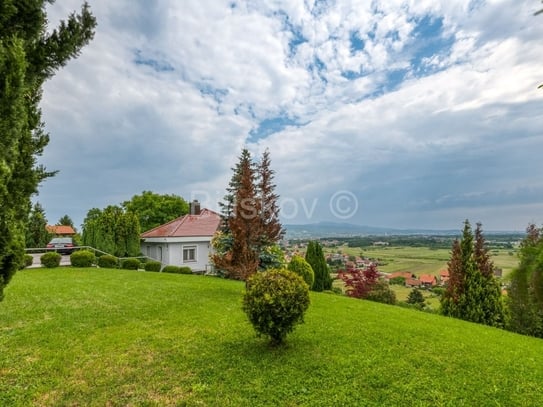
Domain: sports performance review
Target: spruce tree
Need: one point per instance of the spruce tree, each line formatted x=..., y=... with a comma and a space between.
x=272, y=230
x=491, y=296
x=472, y=292
x=250, y=213
x=66, y=221
x=416, y=298
x=455, y=285
x=228, y=204
x=29, y=55
x=243, y=224
x=37, y=234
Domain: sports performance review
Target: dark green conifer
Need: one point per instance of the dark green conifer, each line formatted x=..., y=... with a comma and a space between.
x=29, y=55
x=472, y=293
x=315, y=257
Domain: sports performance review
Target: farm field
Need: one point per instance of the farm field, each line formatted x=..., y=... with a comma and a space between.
x=98, y=337
x=420, y=260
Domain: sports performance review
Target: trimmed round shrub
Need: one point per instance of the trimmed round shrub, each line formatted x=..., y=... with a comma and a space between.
x=82, y=258
x=29, y=260
x=130, y=264
x=152, y=265
x=300, y=266
x=50, y=259
x=108, y=261
x=185, y=270
x=275, y=301
x=171, y=269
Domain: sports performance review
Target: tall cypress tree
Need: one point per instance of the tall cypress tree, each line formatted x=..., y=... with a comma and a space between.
x=29, y=55
x=112, y=230
x=315, y=257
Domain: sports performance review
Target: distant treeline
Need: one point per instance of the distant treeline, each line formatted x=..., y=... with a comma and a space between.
x=507, y=241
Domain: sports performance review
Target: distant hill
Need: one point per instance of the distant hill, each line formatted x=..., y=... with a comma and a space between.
x=338, y=229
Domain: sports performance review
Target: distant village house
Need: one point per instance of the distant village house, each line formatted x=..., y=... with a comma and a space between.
x=61, y=230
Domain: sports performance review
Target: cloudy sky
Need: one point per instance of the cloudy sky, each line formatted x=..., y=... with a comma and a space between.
x=410, y=114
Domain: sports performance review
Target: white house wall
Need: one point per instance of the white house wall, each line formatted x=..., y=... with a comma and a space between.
x=172, y=252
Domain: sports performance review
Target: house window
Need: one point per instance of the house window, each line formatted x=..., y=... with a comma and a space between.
x=189, y=254
x=159, y=253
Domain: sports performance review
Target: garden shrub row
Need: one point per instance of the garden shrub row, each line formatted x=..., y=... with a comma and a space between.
x=85, y=258
x=177, y=269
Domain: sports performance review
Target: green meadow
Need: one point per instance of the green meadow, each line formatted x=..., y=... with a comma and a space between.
x=100, y=337
x=421, y=260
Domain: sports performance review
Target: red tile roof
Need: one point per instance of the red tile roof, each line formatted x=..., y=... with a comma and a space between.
x=60, y=230
x=404, y=274
x=427, y=279
x=412, y=282
x=444, y=273
x=204, y=224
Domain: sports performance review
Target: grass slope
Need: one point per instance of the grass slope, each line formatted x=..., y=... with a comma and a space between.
x=110, y=337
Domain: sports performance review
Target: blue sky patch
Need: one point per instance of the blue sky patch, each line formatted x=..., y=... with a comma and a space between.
x=357, y=43
x=159, y=65
x=270, y=126
x=395, y=78
x=217, y=94
x=429, y=41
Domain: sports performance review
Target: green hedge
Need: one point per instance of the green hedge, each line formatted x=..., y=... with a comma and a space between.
x=130, y=264
x=82, y=258
x=185, y=270
x=108, y=261
x=177, y=269
x=171, y=269
x=152, y=265
x=50, y=259
x=29, y=259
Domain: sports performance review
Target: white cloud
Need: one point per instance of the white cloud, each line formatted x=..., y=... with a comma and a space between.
x=165, y=96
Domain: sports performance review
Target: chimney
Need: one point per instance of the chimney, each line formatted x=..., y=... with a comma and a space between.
x=194, y=207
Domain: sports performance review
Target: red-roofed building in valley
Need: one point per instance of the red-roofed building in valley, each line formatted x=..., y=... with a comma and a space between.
x=400, y=274
x=444, y=276
x=412, y=282
x=428, y=280
x=60, y=230
x=185, y=241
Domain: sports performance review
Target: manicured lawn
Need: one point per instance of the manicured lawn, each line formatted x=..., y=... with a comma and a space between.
x=97, y=337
